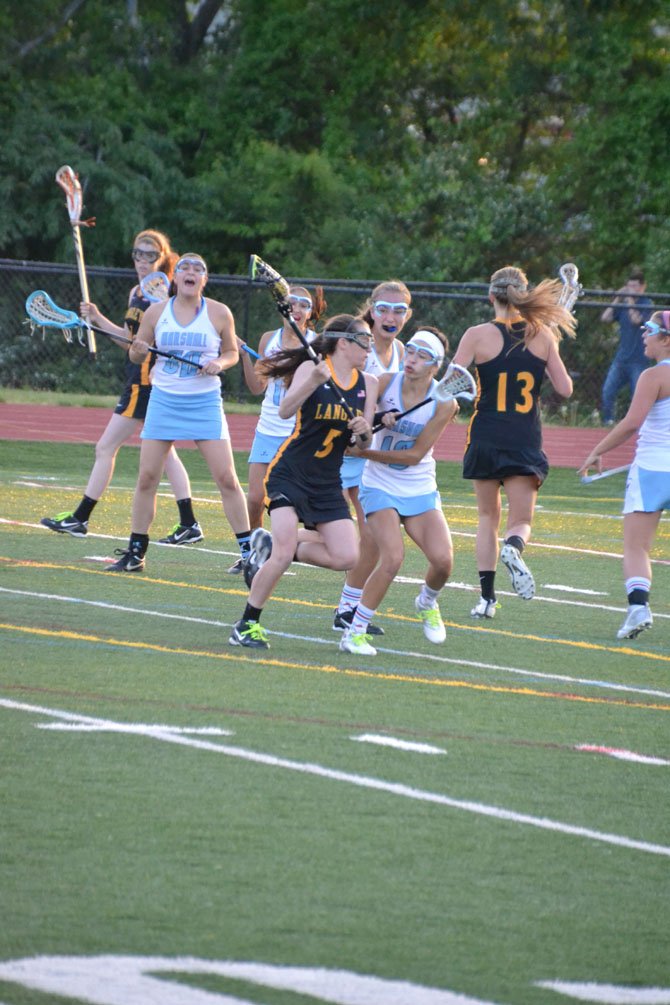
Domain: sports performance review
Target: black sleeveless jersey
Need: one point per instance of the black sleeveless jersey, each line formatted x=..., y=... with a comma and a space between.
x=507, y=412
x=312, y=455
x=137, y=373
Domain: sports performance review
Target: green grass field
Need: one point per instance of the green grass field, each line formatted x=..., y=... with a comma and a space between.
x=185, y=823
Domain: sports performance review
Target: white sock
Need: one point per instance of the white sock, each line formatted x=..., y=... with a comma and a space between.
x=427, y=597
x=361, y=620
x=349, y=598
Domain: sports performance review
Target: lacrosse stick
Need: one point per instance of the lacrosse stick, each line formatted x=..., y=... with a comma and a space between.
x=43, y=311
x=155, y=287
x=587, y=479
x=456, y=383
x=251, y=352
x=572, y=288
x=69, y=182
x=280, y=290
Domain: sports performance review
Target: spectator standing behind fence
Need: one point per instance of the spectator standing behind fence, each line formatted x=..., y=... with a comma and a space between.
x=648, y=484
x=630, y=310
x=151, y=252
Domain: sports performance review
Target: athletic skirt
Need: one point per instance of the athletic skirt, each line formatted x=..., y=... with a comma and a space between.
x=372, y=500
x=485, y=461
x=351, y=472
x=264, y=448
x=185, y=417
x=313, y=505
x=646, y=491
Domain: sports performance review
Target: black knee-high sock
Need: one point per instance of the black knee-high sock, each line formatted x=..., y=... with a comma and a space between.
x=85, y=508
x=487, y=584
x=186, y=515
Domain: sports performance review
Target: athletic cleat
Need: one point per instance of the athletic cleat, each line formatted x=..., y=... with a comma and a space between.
x=259, y=552
x=130, y=561
x=433, y=625
x=523, y=583
x=237, y=567
x=343, y=619
x=183, y=535
x=249, y=634
x=638, y=618
x=66, y=523
x=359, y=644
x=484, y=608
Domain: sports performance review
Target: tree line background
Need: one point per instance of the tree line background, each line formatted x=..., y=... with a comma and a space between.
x=426, y=140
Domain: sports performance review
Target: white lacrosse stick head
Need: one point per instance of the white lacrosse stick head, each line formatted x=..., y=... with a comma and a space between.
x=456, y=383
x=69, y=182
x=155, y=287
x=572, y=288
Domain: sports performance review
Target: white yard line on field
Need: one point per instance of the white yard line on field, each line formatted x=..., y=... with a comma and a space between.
x=401, y=653
x=360, y=781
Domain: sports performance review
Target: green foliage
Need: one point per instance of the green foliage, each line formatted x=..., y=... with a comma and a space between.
x=429, y=140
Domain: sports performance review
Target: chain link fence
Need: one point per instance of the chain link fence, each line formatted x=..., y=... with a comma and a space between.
x=48, y=362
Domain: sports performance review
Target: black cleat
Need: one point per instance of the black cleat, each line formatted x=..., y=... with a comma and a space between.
x=342, y=621
x=66, y=523
x=250, y=634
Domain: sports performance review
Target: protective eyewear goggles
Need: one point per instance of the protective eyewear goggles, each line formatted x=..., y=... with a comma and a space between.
x=655, y=329
x=426, y=355
x=381, y=307
x=362, y=339
x=140, y=255
x=297, y=301
x=191, y=264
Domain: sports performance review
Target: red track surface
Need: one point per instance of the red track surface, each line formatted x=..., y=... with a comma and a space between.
x=566, y=446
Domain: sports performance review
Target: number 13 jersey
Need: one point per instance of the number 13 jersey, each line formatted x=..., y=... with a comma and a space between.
x=507, y=413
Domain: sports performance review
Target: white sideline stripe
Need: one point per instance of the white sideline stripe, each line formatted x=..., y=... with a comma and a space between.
x=110, y=488
x=361, y=781
x=573, y=589
x=404, y=653
x=399, y=579
x=608, y=994
x=621, y=755
x=391, y=741
x=144, y=728
x=454, y=533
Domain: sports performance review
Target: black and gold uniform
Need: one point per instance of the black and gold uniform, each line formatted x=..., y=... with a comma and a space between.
x=505, y=432
x=135, y=395
x=305, y=473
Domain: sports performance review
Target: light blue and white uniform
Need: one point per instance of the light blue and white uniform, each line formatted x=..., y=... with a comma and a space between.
x=272, y=430
x=352, y=467
x=648, y=483
x=409, y=489
x=185, y=404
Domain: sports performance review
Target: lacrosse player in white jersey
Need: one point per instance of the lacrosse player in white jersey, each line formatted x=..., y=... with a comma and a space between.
x=399, y=489
x=151, y=250
x=185, y=401
x=387, y=310
x=648, y=484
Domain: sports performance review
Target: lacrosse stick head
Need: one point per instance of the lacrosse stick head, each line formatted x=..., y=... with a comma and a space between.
x=44, y=313
x=456, y=383
x=572, y=288
x=155, y=287
x=277, y=285
x=69, y=182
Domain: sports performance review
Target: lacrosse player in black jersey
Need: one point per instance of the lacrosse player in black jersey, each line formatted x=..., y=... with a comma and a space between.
x=511, y=353
x=331, y=399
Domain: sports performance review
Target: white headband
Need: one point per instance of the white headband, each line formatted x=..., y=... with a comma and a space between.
x=436, y=347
